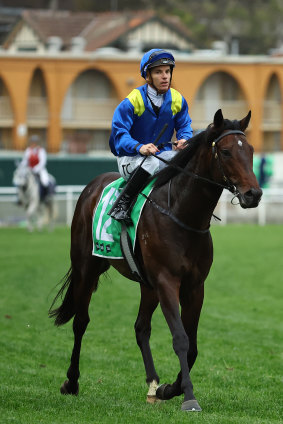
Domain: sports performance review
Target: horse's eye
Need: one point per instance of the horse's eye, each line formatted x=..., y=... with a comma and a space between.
x=226, y=153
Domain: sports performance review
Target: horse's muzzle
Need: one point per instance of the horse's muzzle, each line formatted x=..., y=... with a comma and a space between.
x=251, y=198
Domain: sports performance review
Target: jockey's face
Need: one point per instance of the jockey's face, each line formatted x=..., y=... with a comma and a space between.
x=159, y=78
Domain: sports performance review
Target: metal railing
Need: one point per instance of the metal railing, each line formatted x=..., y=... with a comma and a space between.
x=94, y=113
x=66, y=195
x=202, y=111
x=6, y=113
x=37, y=109
x=98, y=113
x=270, y=209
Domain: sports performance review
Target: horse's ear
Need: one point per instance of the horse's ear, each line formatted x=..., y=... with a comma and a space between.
x=245, y=121
x=218, y=119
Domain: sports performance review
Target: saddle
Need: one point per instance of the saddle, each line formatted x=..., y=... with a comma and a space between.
x=114, y=239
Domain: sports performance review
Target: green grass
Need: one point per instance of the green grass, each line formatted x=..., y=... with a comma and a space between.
x=238, y=373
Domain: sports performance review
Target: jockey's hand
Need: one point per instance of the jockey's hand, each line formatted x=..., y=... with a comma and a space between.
x=148, y=149
x=179, y=144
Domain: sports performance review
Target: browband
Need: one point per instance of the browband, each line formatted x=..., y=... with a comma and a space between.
x=228, y=133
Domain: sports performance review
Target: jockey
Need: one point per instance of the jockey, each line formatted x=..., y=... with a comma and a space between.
x=35, y=157
x=138, y=120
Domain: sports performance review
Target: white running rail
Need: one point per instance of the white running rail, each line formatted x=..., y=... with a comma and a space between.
x=270, y=209
x=67, y=194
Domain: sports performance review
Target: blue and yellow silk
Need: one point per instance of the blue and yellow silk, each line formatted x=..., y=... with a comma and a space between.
x=134, y=121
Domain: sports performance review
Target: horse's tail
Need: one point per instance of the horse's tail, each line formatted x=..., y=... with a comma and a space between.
x=66, y=311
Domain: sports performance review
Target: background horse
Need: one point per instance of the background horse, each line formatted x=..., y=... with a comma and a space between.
x=38, y=213
x=174, y=249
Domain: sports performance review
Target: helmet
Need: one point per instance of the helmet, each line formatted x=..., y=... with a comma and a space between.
x=34, y=139
x=156, y=57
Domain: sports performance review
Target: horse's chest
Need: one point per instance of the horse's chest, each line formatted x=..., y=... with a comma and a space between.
x=194, y=262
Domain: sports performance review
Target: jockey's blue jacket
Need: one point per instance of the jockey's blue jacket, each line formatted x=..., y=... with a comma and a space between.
x=135, y=122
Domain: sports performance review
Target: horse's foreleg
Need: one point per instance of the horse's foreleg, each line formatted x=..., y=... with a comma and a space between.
x=148, y=304
x=31, y=214
x=169, y=301
x=191, y=307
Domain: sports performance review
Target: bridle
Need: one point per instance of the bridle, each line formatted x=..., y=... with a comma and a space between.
x=228, y=186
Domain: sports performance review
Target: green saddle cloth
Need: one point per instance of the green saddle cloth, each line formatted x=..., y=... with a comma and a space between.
x=106, y=231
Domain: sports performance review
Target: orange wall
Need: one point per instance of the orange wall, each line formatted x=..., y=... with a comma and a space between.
x=59, y=73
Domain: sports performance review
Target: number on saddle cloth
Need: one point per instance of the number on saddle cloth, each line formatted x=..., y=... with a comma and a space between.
x=106, y=230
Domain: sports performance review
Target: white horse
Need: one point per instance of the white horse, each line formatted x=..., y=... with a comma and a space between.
x=38, y=213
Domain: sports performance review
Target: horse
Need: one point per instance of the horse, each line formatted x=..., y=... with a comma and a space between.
x=174, y=249
x=38, y=211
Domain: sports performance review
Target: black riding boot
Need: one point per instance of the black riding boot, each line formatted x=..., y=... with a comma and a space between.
x=122, y=207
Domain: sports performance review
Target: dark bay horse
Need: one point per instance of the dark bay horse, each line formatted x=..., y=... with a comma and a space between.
x=174, y=249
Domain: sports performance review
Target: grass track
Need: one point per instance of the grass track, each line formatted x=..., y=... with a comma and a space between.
x=238, y=373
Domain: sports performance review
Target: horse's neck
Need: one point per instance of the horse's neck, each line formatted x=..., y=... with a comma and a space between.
x=194, y=200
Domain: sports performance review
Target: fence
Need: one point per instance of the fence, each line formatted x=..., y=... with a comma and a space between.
x=270, y=209
x=66, y=197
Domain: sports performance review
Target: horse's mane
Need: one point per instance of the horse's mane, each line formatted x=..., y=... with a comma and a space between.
x=192, y=145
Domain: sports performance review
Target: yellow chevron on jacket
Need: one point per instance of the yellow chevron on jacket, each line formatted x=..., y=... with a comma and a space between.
x=136, y=99
x=176, y=105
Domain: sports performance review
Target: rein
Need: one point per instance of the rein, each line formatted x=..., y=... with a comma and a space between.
x=229, y=186
x=168, y=213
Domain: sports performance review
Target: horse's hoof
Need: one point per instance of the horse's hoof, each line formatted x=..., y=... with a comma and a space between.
x=160, y=392
x=152, y=399
x=151, y=394
x=65, y=390
x=191, y=406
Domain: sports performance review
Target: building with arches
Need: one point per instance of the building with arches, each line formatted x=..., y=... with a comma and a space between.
x=62, y=74
x=70, y=99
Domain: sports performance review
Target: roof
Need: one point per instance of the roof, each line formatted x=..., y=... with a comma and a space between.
x=98, y=29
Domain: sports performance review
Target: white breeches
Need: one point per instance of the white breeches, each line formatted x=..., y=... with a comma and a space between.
x=127, y=164
x=43, y=176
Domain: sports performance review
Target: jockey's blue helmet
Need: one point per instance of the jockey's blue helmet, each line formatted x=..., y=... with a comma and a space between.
x=156, y=57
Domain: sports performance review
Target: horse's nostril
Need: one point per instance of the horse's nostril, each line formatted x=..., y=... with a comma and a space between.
x=254, y=193
x=252, y=197
x=249, y=194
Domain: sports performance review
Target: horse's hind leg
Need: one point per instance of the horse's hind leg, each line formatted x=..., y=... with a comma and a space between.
x=50, y=212
x=148, y=304
x=84, y=285
x=40, y=217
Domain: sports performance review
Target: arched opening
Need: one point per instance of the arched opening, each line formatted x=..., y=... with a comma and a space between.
x=272, y=119
x=6, y=118
x=219, y=91
x=87, y=113
x=37, y=109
